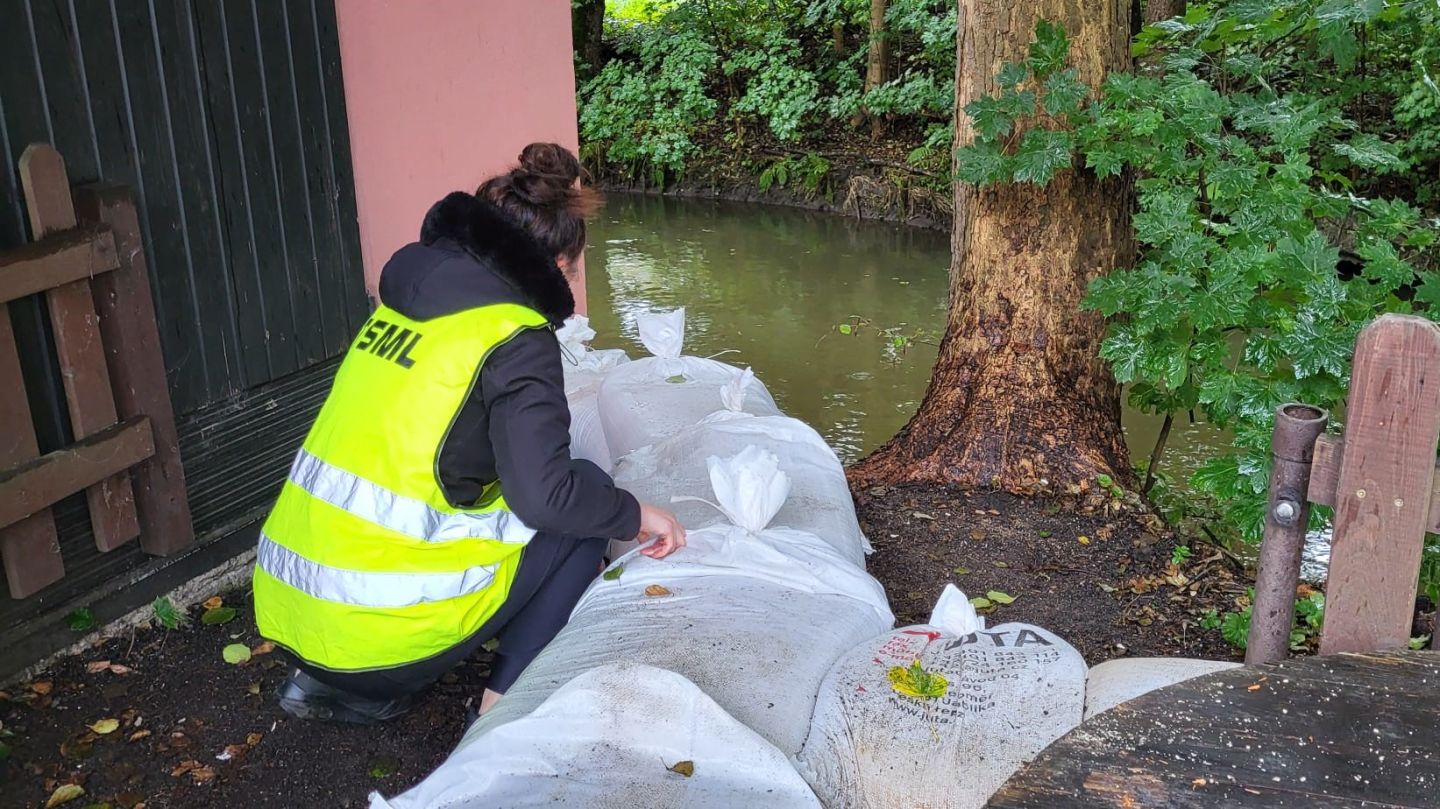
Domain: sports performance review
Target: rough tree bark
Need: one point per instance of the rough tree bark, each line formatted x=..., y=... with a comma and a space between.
x=1157, y=10
x=587, y=27
x=1019, y=399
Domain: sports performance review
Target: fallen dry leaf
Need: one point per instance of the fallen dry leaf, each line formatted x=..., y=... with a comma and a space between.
x=254, y=739
x=1198, y=782
x=105, y=726
x=64, y=794
x=138, y=735
x=42, y=687
x=232, y=751
x=116, y=668
x=212, y=602
x=263, y=648
x=203, y=775
x=685, y=768
x=97, y=666
x=253, y=689
x=977, y=535
x=1083, y=540
x=187, y=765
x=656, y=591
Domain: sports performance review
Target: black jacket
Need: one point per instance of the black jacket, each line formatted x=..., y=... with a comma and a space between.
x=515, y=427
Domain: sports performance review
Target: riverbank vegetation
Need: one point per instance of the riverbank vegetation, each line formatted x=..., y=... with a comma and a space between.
x=1210, y=211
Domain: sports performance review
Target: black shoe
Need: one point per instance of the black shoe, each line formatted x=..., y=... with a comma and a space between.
x=305, y=697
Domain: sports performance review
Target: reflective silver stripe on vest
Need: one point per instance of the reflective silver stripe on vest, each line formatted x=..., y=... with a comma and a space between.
x=401, y=514
x=365, y=589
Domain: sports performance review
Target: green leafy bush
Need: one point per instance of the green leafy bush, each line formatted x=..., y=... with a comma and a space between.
x=645, y=119
x=1265, y=237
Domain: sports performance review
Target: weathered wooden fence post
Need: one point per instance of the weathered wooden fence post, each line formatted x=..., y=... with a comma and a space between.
x=1384, y=487
x=1287, y=518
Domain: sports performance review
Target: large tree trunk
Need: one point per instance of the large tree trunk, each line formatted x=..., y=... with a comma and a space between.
x=1157, y=10
x=1019, y=399
x=587, y=26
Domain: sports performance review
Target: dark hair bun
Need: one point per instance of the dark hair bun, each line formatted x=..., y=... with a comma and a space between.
x=546, y=195
x=550, y=160
x=547, y=174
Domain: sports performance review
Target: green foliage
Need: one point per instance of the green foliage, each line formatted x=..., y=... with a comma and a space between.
x=1265, y=142
x=917, y=682
x=81, y=620
x=808, y=171
x=645, y=119
x=1180, y=555
x=167, y=614
x=1430, y=573
x=686, y=72
x=218, y=615
x=1235, y=628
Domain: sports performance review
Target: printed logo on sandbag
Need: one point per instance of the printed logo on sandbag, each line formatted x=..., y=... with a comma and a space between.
x=388, y=341
x=1025, y=637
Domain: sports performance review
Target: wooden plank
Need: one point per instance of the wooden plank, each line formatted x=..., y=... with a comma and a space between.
x=1325, y=476
x=77, y=341
x=33, y=486
x=1333, y=731
x=178, y=302
x=1383, y=491
x=288, y=144
x=137, y=370
x=30, y=549
x=319, y=178
x=58, y=259
x=337, y=138
x=275, y=303
x=233, y=200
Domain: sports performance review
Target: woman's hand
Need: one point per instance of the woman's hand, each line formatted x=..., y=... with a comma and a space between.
x=660, y=525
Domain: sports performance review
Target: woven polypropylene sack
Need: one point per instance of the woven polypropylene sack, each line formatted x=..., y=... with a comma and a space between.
x=1009, y=691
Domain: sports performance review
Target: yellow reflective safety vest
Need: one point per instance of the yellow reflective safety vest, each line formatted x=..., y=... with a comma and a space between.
x=364, y=563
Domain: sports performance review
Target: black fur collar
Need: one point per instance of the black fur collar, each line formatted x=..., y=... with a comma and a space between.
x=501, y=245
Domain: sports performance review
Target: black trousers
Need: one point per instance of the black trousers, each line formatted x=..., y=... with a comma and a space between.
x=553, y=573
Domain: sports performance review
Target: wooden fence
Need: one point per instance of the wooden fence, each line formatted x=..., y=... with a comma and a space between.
x=125, y=455
x=1380, y=477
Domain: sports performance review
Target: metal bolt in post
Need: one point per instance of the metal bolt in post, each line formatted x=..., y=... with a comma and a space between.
x=1292, y=448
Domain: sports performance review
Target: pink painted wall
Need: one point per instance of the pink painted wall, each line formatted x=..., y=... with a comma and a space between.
x=442, y=94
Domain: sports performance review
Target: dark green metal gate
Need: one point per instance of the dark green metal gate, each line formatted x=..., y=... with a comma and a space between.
x=227, y=119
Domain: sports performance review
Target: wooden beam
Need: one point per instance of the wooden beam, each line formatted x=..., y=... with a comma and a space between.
x=137, y=369
x=1384, y=487
x=1325, y=476
x=77, y=340
x=56, y=260
x=31, y=487
x=29, y=549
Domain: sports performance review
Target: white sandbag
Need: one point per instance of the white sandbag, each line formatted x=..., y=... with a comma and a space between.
x=819, y=501
x=587, y=434
x=1117, y=681
x=604, y=740
x=583, y=365
x=651, y=399
x=1009, y=692
x=753, y=616
x=585, y=369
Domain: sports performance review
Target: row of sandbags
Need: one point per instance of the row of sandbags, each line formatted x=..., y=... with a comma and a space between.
x=756, y=667
x=712, y=656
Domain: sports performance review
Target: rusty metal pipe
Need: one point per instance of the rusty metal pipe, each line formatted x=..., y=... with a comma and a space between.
x=1287, y=516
